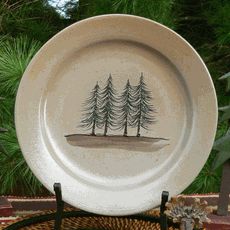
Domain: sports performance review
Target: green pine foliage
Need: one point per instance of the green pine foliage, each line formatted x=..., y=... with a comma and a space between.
x=160, y=11
x=15, y=55
x=33, y=18
x=218, y=17
x=6, y=110
x=205, y=24
x=15, y=176
x=208, y=180
x=222, y=144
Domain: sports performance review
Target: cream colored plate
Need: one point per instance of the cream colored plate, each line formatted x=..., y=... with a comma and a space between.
x=113, y=174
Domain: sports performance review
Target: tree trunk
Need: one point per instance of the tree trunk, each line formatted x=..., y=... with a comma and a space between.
x=138, y=127
x=126, y=129
x=139, y=121
x=223, y=201
x=106, y=128
x=93, y=129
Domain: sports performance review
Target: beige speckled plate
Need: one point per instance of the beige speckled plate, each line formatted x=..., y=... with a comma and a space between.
x=116, y=108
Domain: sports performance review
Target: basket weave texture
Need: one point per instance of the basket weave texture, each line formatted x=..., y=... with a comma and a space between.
x=94, y=223
x=97, y=223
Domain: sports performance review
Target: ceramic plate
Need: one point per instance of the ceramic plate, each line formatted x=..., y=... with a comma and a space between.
x=117, y=109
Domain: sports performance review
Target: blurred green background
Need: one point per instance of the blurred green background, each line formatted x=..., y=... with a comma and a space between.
x=25, y=25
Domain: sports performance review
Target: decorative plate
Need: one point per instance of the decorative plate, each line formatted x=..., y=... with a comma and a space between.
x=116, y=108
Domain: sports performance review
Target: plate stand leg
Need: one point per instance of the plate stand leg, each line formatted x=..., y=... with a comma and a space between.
x=163, y=217
x=60, y=206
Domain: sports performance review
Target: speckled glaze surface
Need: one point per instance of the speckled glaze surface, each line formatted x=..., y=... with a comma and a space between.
x=113, y=174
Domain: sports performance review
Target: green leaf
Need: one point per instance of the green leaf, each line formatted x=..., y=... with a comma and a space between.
x=2, y=149
x=226, y=111
x=208, y=179
x=221, y=157
x=222, y=145
x=2, y=130
x=228, y=85
x=225, y=76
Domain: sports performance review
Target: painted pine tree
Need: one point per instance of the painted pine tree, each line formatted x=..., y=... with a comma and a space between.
x=91, y=117
x=109, y=106
x=143, y=116
x=125, y=108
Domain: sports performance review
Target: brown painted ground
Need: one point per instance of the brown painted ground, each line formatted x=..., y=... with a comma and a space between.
x=145, y=144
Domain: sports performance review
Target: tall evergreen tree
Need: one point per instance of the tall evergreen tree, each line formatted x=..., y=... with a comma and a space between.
x=126, y=108
x=161, y=11
x=144, y=110
x=109, y=106
x=92, y=118
x=34, y=18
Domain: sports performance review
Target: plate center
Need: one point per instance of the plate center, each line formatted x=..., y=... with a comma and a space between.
x=116, y=113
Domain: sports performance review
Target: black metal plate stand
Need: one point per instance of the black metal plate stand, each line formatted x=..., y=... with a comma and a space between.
x=60, y=205
x=60, y=214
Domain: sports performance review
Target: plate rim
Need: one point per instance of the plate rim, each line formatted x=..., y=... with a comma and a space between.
x=17, y=105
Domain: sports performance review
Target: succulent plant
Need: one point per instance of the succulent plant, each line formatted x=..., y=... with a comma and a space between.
x=189, y=216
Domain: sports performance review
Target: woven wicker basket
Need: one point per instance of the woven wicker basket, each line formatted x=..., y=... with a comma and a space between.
x=81, y=222
x=97, y=223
